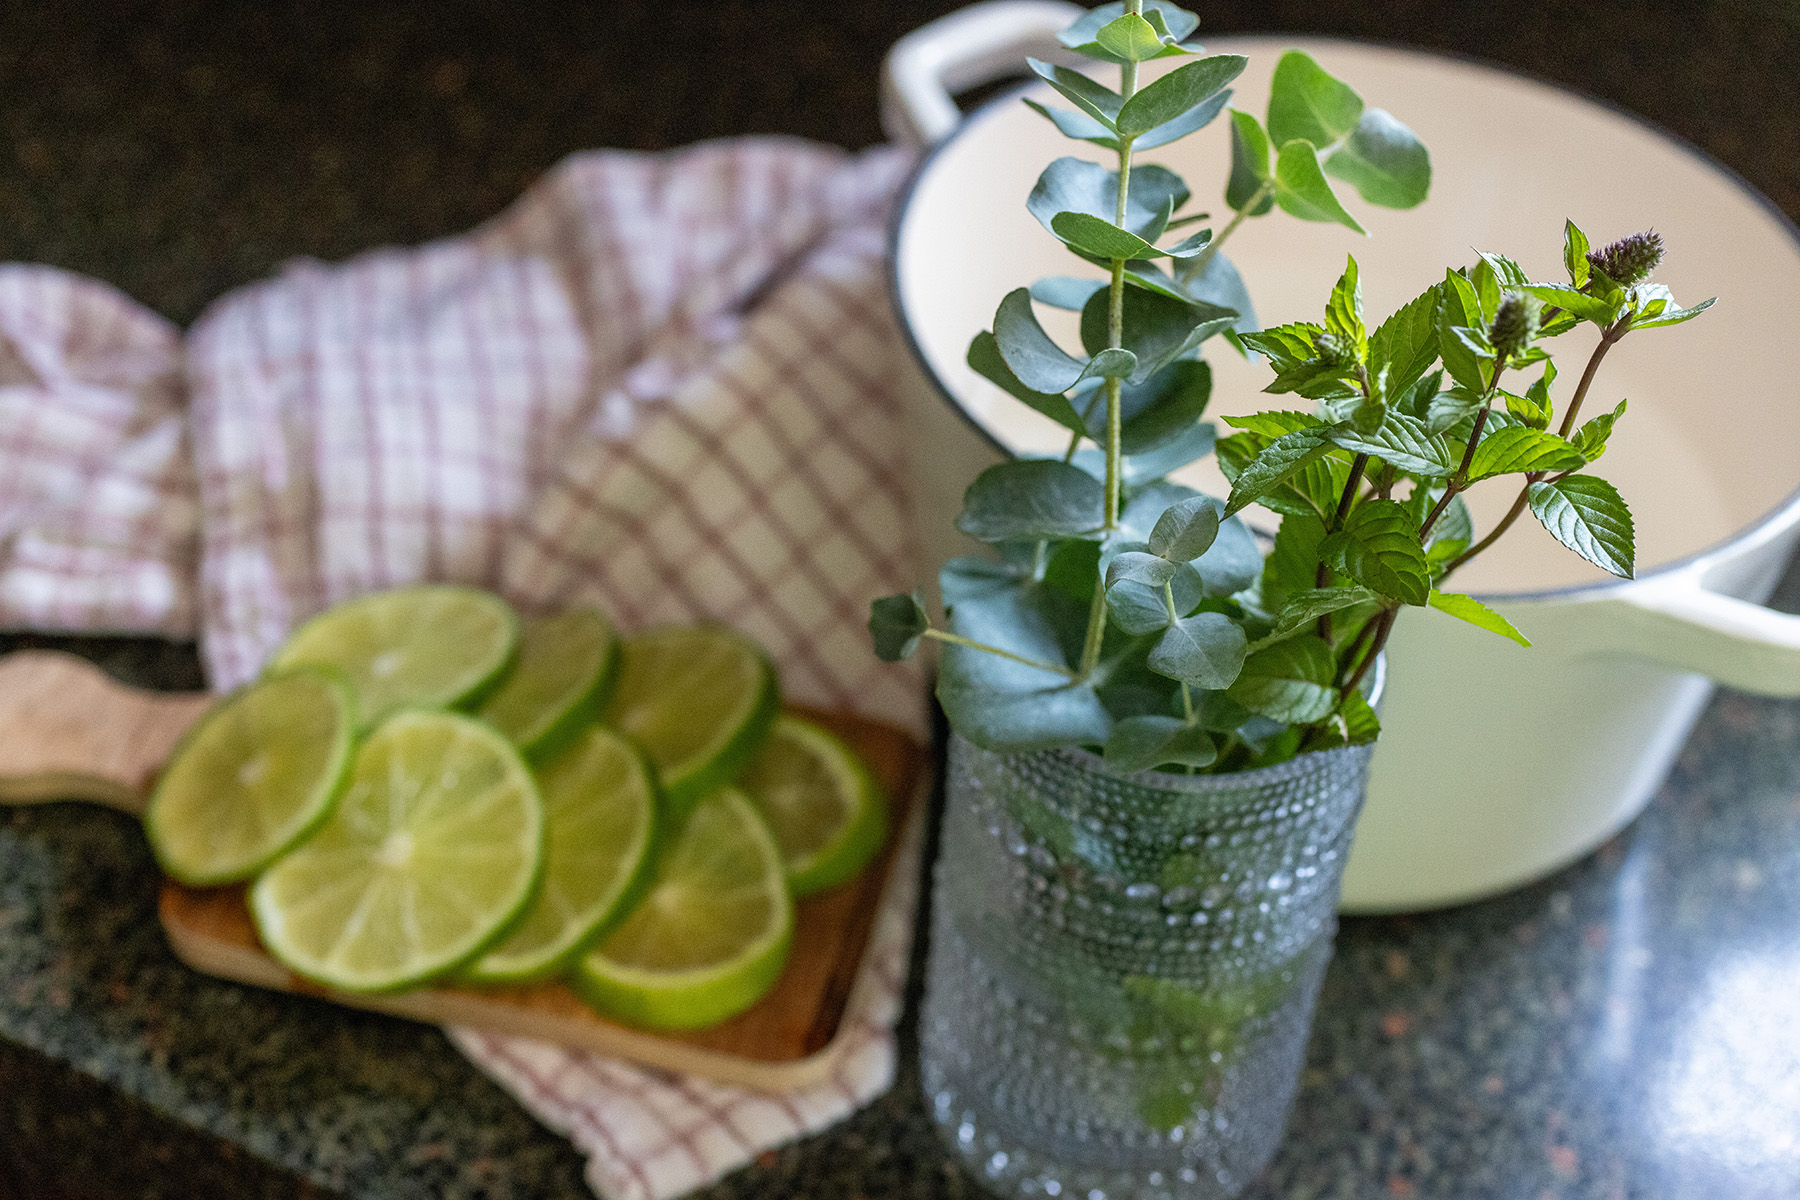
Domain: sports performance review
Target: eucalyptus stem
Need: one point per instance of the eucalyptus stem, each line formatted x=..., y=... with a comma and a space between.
x=1115, y=339
x=1194, y=267
x=959, y=640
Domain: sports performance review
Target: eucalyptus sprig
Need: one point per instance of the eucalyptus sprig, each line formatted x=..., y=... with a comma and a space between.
x=1126, y=612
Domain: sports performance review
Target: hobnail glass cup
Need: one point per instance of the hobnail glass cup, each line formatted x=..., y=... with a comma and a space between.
x=1123, y=968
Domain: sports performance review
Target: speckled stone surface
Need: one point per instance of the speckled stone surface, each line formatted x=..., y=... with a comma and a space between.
x=1627, y=1030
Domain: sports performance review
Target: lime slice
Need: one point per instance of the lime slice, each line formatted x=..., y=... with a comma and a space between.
x=824, y=808
x=709, y=937
x=599, y=822
x=557, y=684
x=437, y=645
x=699, y=699
x=435, y=847
x=258, y=773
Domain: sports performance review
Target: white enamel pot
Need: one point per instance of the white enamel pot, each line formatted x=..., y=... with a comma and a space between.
x=1497, y=764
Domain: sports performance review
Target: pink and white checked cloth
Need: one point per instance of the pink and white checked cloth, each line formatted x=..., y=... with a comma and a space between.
x=658, y=383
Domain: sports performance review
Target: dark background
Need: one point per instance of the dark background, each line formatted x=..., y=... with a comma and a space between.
x=179, y=148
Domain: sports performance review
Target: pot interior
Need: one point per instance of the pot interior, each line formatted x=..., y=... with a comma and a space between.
x=1711, y=445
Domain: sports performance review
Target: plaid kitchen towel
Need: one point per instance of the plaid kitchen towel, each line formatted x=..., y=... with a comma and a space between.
x=662, y=384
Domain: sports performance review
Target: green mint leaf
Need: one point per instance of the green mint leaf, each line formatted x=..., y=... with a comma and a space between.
x=973, y=578
x=1674, y=318
x=1004, y=705
x=1272, y=467
x=986, y=360
x=1030, y=353
x=1307, y=103
x=1406, y=344
x=1460, y=308
x=1095, y=99
x=1186, y=530
x=896, y=623
x=1066, y=291
x=1186, y=87
x=1344, y=312
x=1588, y=308
x=1384, y=161
x=1587, y=514
x=1415, y=399
x=1590, y=439
x=1404, y=442
x=1353, y=724
x=1158, y=330
x=1378, y=547
x=1453, y=406
x=1468, y=608
x=1035, y=499
x=1308, y=606
x=1078, y=186
x=1076, y=125
x=1526, y=409
x=1135, y=566
x=1275, y=422
x=1301, y=189
x=1250, y=171
x=1292, y=565
x=1520, y=448
x=1205, y=650
x=1139, y=743
x=1508, y=275
x=1289, y=681
x=1575, y=254
x=1286, y=346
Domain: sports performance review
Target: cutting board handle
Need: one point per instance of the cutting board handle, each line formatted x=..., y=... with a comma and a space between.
x=68, y=731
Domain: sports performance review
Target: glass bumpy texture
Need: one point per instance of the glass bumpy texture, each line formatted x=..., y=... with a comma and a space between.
x=1123, y=967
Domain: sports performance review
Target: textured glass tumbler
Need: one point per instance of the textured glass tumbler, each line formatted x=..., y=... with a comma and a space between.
x=1123, y=967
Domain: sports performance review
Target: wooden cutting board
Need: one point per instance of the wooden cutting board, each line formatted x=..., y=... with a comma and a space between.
x=69, y=732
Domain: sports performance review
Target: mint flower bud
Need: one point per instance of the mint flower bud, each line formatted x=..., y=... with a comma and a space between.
x=1333, y=352
x=1630, y=259
x=1515, y=323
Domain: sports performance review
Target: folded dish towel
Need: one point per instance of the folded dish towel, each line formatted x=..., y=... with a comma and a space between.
x=658, y=383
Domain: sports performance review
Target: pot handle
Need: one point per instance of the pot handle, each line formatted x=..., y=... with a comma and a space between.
x=1681, y=624
x=969, y=46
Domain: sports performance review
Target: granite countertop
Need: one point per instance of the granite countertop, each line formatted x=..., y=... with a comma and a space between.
x=1625, y=1029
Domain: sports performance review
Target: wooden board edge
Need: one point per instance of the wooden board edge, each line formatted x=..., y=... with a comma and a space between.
x=472, y=1010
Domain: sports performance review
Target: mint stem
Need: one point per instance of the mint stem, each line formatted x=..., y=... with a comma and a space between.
x=1607, y=337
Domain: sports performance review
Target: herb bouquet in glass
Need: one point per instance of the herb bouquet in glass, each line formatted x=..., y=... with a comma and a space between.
x=1162, y=726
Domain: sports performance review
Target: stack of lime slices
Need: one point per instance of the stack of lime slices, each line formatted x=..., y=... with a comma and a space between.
x=422, y=787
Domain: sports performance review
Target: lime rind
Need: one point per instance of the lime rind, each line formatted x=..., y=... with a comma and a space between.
x=436, y=805
x=559, y=682
x=860, y=835
x=706, y=993
x=646, y=707
x=185, y=805
x=384, y=641
x=556, y=928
